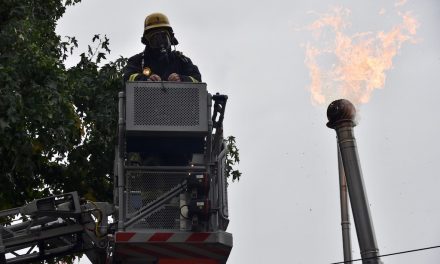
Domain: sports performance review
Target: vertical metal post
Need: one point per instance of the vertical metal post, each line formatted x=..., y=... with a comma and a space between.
x=115, y=176
x=212, y=225
x=210, y=128
x=345, y=215
x=2, y=248
x=121, y=171
x=341, y=115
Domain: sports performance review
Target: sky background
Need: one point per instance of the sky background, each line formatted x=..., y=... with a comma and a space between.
x=285, y=209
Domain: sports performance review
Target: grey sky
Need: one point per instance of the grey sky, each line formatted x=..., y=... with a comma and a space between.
x=286, y=207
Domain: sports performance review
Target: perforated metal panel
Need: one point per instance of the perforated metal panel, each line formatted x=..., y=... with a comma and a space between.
x=145, y=187
x=166, y=107
x=167, y=218
x=170, y=107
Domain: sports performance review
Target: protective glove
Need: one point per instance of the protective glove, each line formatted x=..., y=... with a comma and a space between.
x=174, y=77
x=154, y=78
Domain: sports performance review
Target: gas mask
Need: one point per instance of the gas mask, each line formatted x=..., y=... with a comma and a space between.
x=158, y=40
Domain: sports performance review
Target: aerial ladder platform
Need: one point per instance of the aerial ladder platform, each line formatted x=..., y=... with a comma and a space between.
x=170, y=189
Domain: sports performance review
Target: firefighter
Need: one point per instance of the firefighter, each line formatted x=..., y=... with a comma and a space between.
x=158, y=62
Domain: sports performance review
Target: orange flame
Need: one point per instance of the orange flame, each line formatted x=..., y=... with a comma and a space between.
x=352, y=67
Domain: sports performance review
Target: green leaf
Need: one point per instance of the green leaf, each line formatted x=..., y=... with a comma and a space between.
x=101, y=55
x=90, y=52
x=232, y=159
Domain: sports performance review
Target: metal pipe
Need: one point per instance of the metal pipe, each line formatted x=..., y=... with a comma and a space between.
x=341, y=114
x=167, y=169
x=222, y=186
x=10, y=212
x=121, y=174
x=208, y=157
x=345, y=215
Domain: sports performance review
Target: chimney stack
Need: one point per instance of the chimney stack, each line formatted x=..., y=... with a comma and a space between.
x=341, y=115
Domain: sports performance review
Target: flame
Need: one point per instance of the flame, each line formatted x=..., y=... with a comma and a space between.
x=352, y=66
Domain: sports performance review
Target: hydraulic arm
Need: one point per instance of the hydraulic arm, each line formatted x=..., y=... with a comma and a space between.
x=55, y=226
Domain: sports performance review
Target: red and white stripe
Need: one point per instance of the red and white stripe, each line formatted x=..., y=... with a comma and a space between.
x=142, y=237
x=153, y=246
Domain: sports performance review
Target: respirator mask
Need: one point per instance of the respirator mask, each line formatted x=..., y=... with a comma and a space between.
x=158, y=40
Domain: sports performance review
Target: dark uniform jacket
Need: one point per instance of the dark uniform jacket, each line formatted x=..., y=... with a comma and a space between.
x=163, y=66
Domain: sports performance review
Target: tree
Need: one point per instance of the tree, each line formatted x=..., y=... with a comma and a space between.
x=57, y=125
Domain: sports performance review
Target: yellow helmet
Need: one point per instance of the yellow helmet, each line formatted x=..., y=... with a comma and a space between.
x=156, y=20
